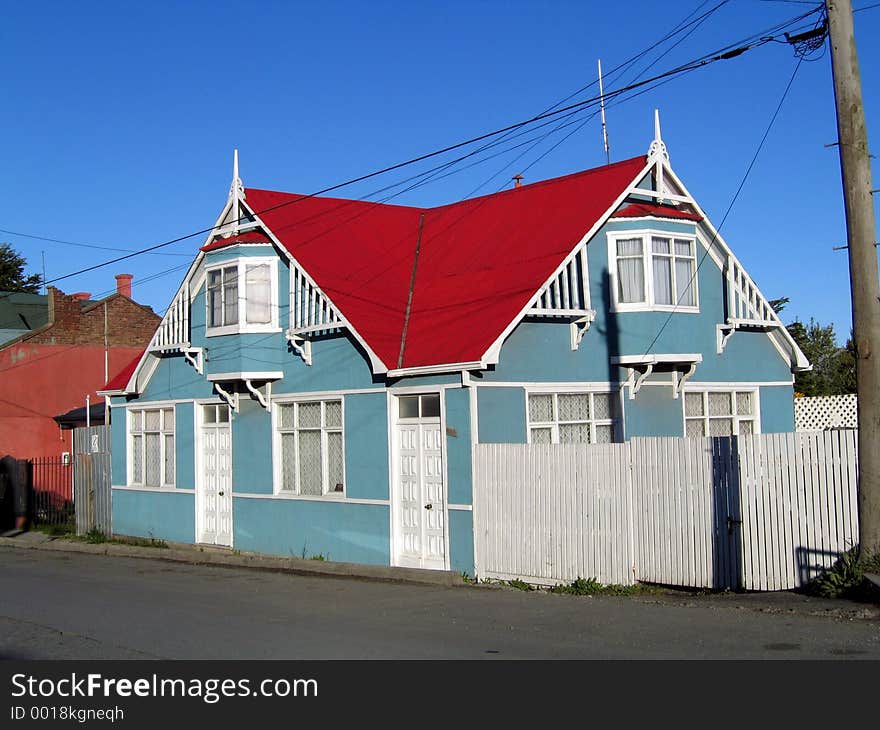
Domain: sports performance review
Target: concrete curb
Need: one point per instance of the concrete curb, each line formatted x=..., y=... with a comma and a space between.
x=179, y=553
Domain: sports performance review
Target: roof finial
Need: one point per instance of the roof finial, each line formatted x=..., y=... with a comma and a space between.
x=236, y=192
x=658, y=146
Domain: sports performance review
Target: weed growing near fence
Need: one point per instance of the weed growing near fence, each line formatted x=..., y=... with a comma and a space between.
x=57, y=530
x=592, y=587
x=846, y=578
x=142, y=542
x=95, y=536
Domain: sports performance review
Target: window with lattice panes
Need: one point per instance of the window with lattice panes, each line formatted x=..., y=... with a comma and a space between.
x=721, y=413
x=151, y=447
x=573, y=418
x=310, y=442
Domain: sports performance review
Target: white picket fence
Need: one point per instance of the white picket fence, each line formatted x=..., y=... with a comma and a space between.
x=763, y=512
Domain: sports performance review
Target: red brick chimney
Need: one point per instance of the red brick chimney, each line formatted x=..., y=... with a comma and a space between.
x=61, y=306
x=123, y=284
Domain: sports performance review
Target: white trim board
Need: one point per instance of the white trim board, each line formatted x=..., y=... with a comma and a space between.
x=581, y=384
x=707, y=385
x=154, y=490
x=245, y=375
x=312, y=498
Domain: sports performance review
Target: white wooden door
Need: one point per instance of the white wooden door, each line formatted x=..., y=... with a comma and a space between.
x=214, y=509
x=420, y=494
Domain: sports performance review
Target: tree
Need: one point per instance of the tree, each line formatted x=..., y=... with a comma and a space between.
x=12, y=276
x=833, y=370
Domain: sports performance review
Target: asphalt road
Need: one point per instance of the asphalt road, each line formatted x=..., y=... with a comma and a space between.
x=73, y=606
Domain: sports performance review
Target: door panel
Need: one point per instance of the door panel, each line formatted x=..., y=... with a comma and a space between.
x=214, y=518
x=419, y=504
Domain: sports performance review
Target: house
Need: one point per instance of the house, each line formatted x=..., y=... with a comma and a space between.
x=319, y=381
x=57, y=350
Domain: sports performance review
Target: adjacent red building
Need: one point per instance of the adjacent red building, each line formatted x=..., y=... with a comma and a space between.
x=59, y=349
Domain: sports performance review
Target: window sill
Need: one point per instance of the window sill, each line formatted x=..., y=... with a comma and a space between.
x=145, y=488
x=329, y=497
x=241, y=330
x=626, y=308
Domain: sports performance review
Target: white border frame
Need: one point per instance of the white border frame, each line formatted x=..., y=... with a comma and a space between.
x=392, y=395
x=729, y=388
x=198, y=475
x=149, y=406
x=290, y=399
x=648, y=305
x=242, y=327
x=579, y=389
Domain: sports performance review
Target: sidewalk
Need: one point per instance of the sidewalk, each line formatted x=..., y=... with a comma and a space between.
x=218, y=557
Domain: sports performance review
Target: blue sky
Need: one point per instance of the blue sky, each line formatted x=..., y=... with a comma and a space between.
x=119, y=119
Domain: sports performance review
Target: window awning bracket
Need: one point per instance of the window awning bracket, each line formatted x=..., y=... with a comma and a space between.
x=675, y=361
x=263, y=400
x=681, y=379
x=231, y=398
x=635, y=381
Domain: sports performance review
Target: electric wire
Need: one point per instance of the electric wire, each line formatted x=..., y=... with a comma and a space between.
x=703, y=61
x=729, y=207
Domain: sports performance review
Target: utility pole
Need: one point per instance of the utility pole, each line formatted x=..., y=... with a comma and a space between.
x=861, y=236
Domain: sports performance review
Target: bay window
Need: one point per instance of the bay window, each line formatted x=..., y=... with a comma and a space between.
x=242, y=296
x=652, y=270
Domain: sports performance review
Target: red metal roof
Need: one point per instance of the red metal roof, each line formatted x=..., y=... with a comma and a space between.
x=642, y=210
x=250, y=237
x=480, y=260
x=120, y=380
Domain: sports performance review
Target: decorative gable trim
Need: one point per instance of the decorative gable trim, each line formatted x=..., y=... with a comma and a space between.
x=311, y=313
x=567, y=295
x=743, y=295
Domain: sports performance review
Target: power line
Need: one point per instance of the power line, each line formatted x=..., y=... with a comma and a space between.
x=730, y=206
x=82, y=245
x=726, y=53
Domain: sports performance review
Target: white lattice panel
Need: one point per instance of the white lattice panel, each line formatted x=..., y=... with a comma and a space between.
x=822, y=413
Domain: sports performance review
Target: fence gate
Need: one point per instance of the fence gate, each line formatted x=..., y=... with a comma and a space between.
x=91, y=479
x=686, y=511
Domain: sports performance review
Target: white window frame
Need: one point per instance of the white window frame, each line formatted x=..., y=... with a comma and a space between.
x=242, y=326
x=729, y=390
x=163, y=432
x=327, y=489
x=615, y=423
x=648, y=304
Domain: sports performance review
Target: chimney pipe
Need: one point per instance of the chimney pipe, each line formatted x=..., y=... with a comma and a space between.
x=123, y=284
x=517, y=180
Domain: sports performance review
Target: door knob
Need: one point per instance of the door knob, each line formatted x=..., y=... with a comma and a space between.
x=220, y=493
x=429, y=506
